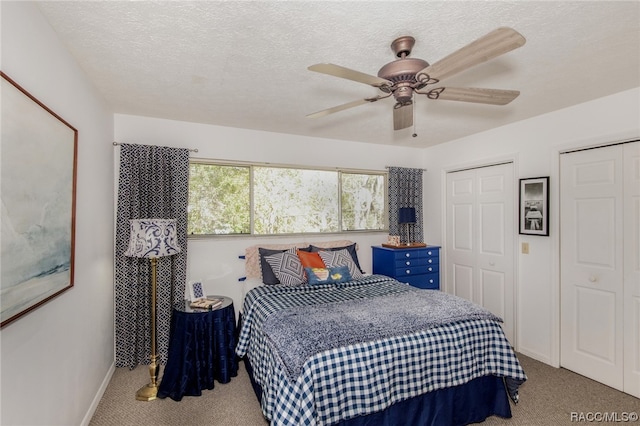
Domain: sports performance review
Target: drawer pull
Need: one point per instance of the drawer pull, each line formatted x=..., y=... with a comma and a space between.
x=430, y=269
x=408, y=263
x=430, y=281
x=407, y=254
x=408, y=271
x=430, y=260
x=593, y=279
x=429, y=253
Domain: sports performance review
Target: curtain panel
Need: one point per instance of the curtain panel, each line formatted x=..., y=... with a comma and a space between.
x=405, y=190
x=153, y=183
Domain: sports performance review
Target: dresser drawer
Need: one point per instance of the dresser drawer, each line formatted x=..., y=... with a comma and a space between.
x=433, y=269
x=419, y=261
x=400, y=254
x=411, y=270
x=417, y=269
x=432, y=252
x=424, y=281
x=416, y=261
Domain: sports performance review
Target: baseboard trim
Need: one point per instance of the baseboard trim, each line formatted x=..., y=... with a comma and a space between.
x=96, y=400
x=537, y=356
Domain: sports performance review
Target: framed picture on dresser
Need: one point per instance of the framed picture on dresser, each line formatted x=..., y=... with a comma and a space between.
x=534, y=206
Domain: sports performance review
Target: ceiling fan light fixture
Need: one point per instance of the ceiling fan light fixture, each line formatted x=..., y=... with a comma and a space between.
x=403, y=94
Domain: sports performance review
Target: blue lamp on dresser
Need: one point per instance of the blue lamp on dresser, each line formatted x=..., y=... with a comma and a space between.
x=406, y=216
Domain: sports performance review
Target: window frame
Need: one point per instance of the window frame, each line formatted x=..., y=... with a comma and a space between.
x=339, y=170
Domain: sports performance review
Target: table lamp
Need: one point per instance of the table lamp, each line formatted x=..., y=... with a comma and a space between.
x=152, y=238
x=406, y=215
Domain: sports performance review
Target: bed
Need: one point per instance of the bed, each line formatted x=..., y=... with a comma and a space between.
x=369, y=350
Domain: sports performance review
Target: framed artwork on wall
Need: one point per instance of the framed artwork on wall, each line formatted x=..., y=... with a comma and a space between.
x=38, y=194
x=534, y=206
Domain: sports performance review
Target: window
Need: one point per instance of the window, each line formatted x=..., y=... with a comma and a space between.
x=363, y=201
x=285, y=200
x=218, y=199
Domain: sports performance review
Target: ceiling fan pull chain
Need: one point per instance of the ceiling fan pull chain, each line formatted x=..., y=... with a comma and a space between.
x=415, y=135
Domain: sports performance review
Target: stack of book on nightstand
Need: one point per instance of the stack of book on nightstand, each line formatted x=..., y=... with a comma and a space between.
x=206, y=303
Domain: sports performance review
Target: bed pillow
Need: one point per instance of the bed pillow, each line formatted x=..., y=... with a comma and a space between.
x=350, y=248
x=268, y=277
x=341, y=258
x=310, y=260
x=287, y=267
x=338, y=274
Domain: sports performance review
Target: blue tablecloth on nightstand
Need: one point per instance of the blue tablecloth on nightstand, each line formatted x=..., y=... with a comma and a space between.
x=201, y=350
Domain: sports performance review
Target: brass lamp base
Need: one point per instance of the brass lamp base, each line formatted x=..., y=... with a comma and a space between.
x=148, y=392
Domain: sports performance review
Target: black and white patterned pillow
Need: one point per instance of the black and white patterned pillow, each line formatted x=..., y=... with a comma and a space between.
x=341, y=258
x=287, y=267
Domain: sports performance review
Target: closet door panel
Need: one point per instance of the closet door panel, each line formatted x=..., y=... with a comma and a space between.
x=596, y=324
x=481, y=211
x=460, y=234
x=632, y=269
x=495, y=251
x=591, y=214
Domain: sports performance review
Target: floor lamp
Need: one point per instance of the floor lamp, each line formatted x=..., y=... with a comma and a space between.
x=406, y=215
x=152, y=238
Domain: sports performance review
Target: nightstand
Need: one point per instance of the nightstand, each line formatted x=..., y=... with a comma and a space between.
x=419, y=267
x=201, y=350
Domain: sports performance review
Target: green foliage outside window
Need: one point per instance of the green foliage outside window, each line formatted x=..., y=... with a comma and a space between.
x=363, y=201
x=291, y=201
x=218, y=199
x=285, y=200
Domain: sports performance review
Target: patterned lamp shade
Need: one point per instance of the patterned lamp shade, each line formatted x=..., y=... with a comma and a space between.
x=152, y=238
x=406, y=215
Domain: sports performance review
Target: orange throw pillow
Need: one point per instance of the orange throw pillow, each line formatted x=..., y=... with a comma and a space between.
x=310, y=260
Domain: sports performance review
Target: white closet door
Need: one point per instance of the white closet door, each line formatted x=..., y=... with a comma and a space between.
x=632, y=268
x=460, y=240
x=591, y=217
x=480, y=235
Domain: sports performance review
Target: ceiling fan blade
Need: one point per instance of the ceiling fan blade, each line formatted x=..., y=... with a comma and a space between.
x=493, y=44
x=402, y=116
x=328, y=111
x=349, y=74
x=472, y=94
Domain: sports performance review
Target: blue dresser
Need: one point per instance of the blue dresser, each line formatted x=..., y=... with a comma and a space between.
x=419, y=267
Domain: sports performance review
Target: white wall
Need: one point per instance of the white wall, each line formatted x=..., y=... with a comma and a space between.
x=54, y=359
x=534, y=145
x=215, y=260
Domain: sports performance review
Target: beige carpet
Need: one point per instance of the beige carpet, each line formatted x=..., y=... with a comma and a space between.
x=547, y=398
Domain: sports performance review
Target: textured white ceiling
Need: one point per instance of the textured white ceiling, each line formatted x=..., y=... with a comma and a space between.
x=244, y=64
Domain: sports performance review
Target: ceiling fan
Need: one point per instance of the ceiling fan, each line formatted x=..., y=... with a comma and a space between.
x=406, y=76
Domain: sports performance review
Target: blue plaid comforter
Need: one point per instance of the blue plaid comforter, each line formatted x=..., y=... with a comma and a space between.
x=362, y=378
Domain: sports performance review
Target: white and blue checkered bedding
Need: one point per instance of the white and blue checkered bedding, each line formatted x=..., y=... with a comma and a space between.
x=363, y=378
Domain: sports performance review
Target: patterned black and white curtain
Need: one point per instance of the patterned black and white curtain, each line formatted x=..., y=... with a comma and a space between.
x=405, y=190
x=153, y=183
